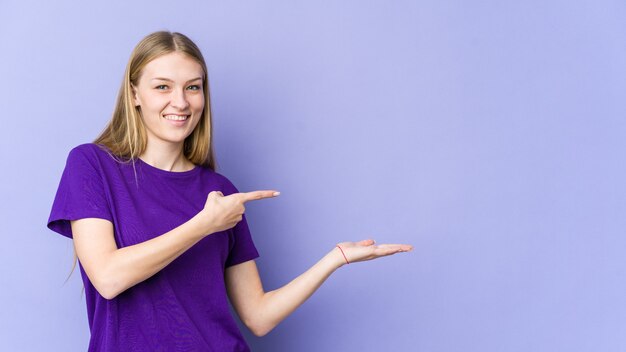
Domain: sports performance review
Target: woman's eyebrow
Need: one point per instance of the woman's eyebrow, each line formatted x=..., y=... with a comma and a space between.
x=169, y=80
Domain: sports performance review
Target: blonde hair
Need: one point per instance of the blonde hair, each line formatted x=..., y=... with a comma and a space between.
x=125, y=135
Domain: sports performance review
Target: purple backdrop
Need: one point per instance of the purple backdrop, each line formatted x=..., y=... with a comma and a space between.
x=488, y=134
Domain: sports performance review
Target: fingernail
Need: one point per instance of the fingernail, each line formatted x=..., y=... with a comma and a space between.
x=276, y=194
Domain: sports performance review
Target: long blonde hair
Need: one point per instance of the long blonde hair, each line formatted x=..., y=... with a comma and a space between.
x=125, y=135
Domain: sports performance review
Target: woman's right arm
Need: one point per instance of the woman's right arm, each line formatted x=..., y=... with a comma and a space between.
x=113, y=270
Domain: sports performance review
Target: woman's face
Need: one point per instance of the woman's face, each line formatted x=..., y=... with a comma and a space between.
x=171, y=97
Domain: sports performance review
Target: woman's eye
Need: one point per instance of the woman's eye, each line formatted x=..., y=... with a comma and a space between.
x=194, y=87
x=161, y=87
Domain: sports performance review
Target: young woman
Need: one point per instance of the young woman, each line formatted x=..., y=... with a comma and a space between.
x=161, y=237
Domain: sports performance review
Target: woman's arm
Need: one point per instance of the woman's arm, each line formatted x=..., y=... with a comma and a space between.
x=113, y=270
x=261, y=311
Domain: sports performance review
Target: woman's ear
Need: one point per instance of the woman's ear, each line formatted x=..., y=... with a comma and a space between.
x=135, y=97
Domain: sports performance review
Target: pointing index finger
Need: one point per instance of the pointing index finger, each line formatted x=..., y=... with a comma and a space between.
x=256, y=195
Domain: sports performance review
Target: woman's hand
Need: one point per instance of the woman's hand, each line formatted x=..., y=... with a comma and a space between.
x=224, y=212
x=368, y=250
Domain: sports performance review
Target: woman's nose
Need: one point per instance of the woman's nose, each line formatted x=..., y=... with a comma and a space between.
x=179, y=100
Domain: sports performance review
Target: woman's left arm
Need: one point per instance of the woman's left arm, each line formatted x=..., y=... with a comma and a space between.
x=261, y=311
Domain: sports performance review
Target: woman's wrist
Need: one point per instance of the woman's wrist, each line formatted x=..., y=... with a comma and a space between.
x=336, y=258
x=201, y=225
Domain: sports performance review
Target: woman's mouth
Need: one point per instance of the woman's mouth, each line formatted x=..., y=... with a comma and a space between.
x=177, y=120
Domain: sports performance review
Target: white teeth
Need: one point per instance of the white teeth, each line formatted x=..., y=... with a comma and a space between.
x=175, y=117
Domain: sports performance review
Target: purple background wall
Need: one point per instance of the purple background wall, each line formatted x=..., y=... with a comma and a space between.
x=488, y=134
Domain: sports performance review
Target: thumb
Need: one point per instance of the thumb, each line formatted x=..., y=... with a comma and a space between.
x=216, y=194
x=367, y=242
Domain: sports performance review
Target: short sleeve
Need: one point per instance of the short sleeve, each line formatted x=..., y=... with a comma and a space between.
x=242, y=247
x=81, y=193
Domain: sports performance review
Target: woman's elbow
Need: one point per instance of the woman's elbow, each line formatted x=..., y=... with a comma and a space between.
x=259, y=328
x=260, y=332
x=107, y=294
x=108, y=286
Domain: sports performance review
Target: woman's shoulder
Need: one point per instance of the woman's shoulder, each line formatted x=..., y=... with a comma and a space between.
x=90, y=148
x=86, y=148
x=90, y=152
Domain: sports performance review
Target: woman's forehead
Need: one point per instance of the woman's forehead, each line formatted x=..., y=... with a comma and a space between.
x=174, y=66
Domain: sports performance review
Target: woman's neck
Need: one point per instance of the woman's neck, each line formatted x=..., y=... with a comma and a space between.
x=166, y=156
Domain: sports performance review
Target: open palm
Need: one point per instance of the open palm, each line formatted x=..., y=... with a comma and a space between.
x=368, y=250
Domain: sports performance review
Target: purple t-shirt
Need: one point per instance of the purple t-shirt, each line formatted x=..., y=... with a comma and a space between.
x=183, y=307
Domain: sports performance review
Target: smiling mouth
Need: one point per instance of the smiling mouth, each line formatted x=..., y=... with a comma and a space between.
x=176, y=117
